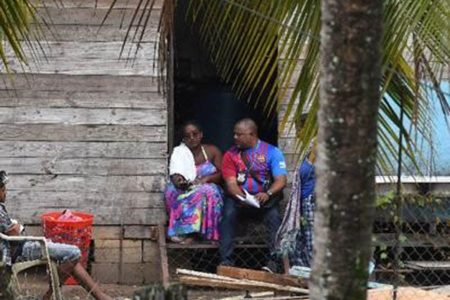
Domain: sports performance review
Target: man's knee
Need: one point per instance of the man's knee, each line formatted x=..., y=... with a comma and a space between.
x=64, y=252
x=75, y=254
x=273, y=214
x=229, y=210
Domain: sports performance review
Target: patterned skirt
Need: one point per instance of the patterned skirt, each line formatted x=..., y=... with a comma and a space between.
x=197, y=210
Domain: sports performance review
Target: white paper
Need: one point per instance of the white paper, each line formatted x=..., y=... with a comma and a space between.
x=249, y=199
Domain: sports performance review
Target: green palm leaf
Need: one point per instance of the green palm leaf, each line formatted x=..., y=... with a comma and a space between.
x=271, y=47
x=243, y=40
x=19, y=26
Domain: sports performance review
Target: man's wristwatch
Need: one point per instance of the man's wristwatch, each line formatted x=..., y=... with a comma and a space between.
x=270, y=193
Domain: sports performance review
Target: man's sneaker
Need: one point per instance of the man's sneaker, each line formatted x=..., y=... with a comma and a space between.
x=226, y=264
x=271, y=267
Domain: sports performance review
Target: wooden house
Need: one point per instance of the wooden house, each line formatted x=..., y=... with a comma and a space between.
x=84, y=130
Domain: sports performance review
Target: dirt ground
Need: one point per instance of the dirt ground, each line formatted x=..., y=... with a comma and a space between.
x=35, y=289
x=34, y=285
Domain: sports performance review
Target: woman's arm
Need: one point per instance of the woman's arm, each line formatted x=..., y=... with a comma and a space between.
x=179, y=181
x=216, y=159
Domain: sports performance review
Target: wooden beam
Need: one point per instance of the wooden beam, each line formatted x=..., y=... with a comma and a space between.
x=428, y=265
x=82, y=116
x=238, y=284
x=163, y=255
x=91, y=83
x=76, y=133
x=241, y=273
x=219, y=281
x=85, y=166
x=58, y=150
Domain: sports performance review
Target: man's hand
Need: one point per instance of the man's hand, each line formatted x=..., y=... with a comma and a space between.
x=13, y=230
x=199, y=181
x=262, y=197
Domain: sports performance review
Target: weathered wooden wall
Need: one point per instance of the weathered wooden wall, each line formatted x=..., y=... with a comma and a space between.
x=81, y=129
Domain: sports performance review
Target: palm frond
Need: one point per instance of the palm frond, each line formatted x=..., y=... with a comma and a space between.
x=21, y=34
x=242, y=37
x=271, y=48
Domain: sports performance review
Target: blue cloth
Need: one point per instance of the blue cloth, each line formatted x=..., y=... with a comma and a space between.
x=302, y=255
x=307, y=178
x=58, y=252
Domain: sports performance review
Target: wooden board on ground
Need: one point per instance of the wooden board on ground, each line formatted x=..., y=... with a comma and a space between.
x=196, y=278
x=428, y=265
x=241, y=273
x=237, y=284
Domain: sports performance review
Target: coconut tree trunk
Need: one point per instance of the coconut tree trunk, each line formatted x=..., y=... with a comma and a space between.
x=349, y=99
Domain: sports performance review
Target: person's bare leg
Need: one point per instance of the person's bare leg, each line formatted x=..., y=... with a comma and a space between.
x=64, y=272
x=88, y=283
x=68, y=269
x=48, y=294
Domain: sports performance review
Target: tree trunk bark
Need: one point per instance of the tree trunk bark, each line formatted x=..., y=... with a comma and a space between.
x=349, y=100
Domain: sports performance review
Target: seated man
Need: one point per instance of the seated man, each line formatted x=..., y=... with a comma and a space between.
x=256, y=170
x=67, y=256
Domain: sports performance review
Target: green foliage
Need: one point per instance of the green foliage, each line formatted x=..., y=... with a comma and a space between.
x=16, y=17
x=243, y=37
x=271, y=47
x=386, y=200
x=389, y=200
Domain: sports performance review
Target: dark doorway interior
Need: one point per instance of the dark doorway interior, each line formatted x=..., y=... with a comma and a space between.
x=200, y=95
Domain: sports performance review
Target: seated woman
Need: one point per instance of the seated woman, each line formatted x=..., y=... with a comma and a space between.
x=194, y=199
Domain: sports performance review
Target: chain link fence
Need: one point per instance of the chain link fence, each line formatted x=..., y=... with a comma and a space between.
x=412, y=240
x=411, y=248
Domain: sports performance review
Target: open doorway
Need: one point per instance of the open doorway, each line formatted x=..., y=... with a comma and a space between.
x=200, y=95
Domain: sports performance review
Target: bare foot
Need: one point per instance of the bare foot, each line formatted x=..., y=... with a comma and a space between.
x=177, y=239
x=188, y=240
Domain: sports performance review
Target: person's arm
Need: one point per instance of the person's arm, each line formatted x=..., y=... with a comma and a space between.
x=13, y=230
x=233, y=188
x=229, y=174
x=216, y=159
x=6, y=225
x=279, y=173
x=179, y=181
x=277, y=186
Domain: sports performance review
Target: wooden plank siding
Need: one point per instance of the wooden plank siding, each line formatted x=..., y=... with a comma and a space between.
x=81, y=128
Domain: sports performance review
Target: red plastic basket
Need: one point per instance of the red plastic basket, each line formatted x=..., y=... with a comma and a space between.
x=73, y=232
